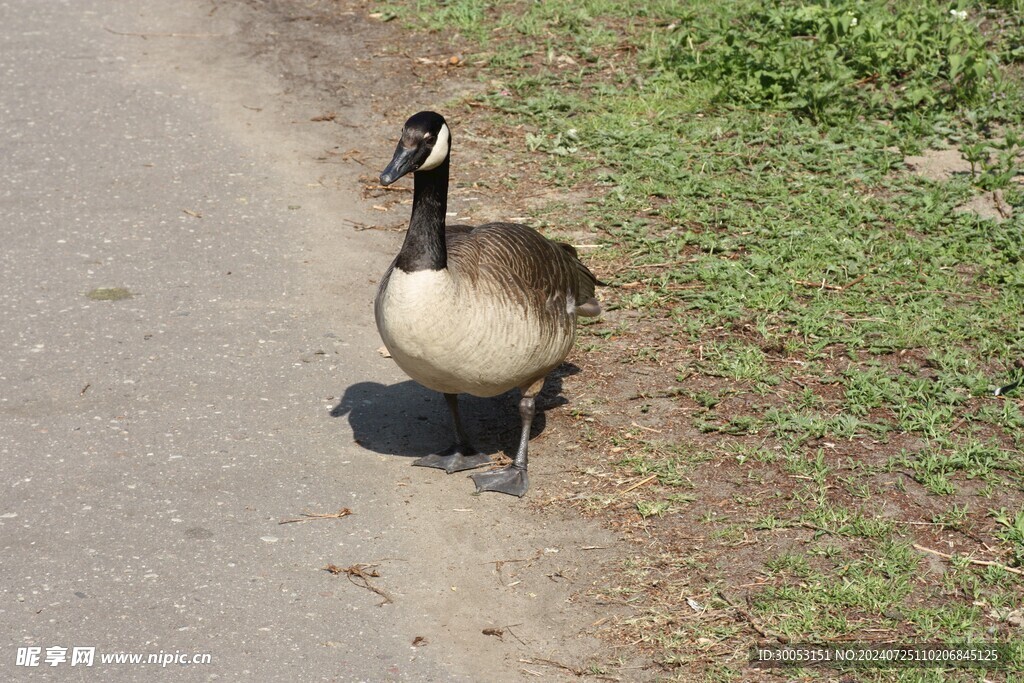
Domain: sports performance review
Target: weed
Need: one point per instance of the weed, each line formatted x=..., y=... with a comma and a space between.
x=952, y=518
x=652, y=508
x=739, y=362
x=1011, y=531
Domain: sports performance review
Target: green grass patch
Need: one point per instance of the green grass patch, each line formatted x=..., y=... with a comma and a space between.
x=839, y=61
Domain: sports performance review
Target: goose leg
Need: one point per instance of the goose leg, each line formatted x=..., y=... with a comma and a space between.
x=512, y=479
x=460, y=455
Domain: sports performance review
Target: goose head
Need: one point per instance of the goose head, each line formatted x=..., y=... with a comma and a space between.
x=424, y=146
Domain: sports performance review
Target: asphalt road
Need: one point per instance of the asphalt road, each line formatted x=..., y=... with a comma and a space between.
x=150, y=445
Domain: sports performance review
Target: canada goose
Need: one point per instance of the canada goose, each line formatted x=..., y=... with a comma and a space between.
x=476, y=310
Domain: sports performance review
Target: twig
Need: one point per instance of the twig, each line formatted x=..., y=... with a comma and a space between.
x=664, y=393
x=971, y=560
x=579, y=672
x=551, y=662
x=499, y=633
x=962, y=295
x=353, y=155
x=84, y=389
x=358, y=575
x=855, y=281
x=310, y=516
x=384, y=228
x=386, y=188
x=1001, y=206
x=912, y=523
x=646, y=479
x=163, y=35
x=499, y=564
x=825, y=285
x=815, y=285
x=509, y=629
x=765, y=633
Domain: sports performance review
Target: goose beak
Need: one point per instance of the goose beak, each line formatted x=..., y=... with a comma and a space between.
x=403, y=162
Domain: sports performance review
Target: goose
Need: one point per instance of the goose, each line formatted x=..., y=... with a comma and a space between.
x=475, y=310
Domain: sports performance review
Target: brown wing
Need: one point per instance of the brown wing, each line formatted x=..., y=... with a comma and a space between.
x=521, y=264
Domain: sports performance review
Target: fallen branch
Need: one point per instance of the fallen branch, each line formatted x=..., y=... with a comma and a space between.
x=971, y=560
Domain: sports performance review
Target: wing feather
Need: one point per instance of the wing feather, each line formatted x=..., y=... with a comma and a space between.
x=517, y=262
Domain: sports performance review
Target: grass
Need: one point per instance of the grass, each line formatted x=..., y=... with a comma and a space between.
x=830, y=327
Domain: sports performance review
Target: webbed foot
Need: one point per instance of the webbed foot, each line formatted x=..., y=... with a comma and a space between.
x=511, y=480
x=454, y=459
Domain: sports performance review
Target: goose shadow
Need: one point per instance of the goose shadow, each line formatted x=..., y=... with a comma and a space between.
x=409, y=420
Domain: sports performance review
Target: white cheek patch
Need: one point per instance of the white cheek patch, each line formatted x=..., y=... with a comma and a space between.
x=440, y=151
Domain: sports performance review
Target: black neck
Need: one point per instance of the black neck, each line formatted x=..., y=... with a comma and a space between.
x=424, y=247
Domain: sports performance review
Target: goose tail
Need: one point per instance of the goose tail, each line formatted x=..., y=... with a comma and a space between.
x=586, y=284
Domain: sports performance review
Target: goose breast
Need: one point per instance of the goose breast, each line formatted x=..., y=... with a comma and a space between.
x=500, y=316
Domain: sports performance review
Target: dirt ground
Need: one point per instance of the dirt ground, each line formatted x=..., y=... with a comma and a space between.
x=539, y=607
